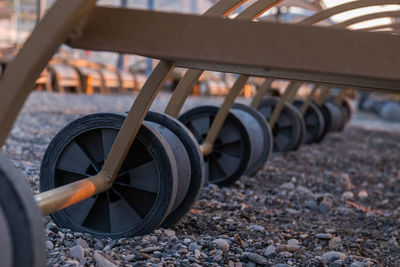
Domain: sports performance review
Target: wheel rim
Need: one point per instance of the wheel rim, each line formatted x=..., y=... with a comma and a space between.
x=118, y=206
x=313, y=121
x=286, y=130
x=231, y=151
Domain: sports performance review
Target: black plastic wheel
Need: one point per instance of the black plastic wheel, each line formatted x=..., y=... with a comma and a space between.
x=260, y=136
x=195, y=179
x=143, y=193
x=338, y=116
x=287, y=131
x=21, y=230
x=314, y=121
x=231, y=153
x=303, y=129
x=333, y=118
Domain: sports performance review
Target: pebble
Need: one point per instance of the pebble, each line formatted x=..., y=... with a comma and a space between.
x=257, y=228
x=362, y=194
x=193, y=246
x=221, y=244
x=269, y=251
x=358, y=264
x=187, y=240
x=324, y=207
x=77, y=252
x=303, y=190
x=281, y=265
x=336, y=263
x=311, y=204
x=323, y=236
x=293, y=245
x=285, y=254
x=49, y=245
x=82, y=243
x=257, y=258
x=287, y=186
x=347, y=195
x=101, y=261
x=332, y=256
x=169, y=233
x=150, y=249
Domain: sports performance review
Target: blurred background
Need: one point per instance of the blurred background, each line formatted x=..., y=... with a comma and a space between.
x=89, y=72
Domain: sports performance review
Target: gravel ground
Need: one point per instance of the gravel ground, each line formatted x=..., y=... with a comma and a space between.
x=329, y=204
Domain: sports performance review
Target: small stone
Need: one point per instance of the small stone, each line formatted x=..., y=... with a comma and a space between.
x=217, y=258
x=186, y=240
x=304, y=190
x=77, y=252
x=281, y=265
x=153, y=239
x=285, y=254
x=150, y=249
x=311, y=204
x=358, y=264
x=323, y=236
x=324, y=207
x=270, y=251
x=251, y=264
x=362, y=194
x=169, y=233
x=335, y=243
x=257, y=228
x=293, y=242
x=257, y=258
x=336, y=263
x=287, y=186
x=101, y=261
x=347, y=195
x=332, y=256
x=221, y=244
x=49, y=245
x=129, y=258
x=193, y=246
x=82, y=243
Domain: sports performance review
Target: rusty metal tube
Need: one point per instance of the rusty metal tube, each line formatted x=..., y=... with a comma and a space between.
x=70, y=194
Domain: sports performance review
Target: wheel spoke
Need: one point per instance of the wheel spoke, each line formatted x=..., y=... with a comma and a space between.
x=215, y=172
x=80, y=211
x=219, y=166
x=91, y=144
x=227, y=144
x=143, y=177
x=122, y=215
x=108, y=138
x=284, y=122
x=98, y=217
x=201, y=125
x=74, y=160
x=228, y=163
x=281, y=141
x=228, y=134
x=141, y=201
x=66, y=177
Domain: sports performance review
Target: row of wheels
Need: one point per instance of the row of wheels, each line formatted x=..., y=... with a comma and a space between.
x=164, y=171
